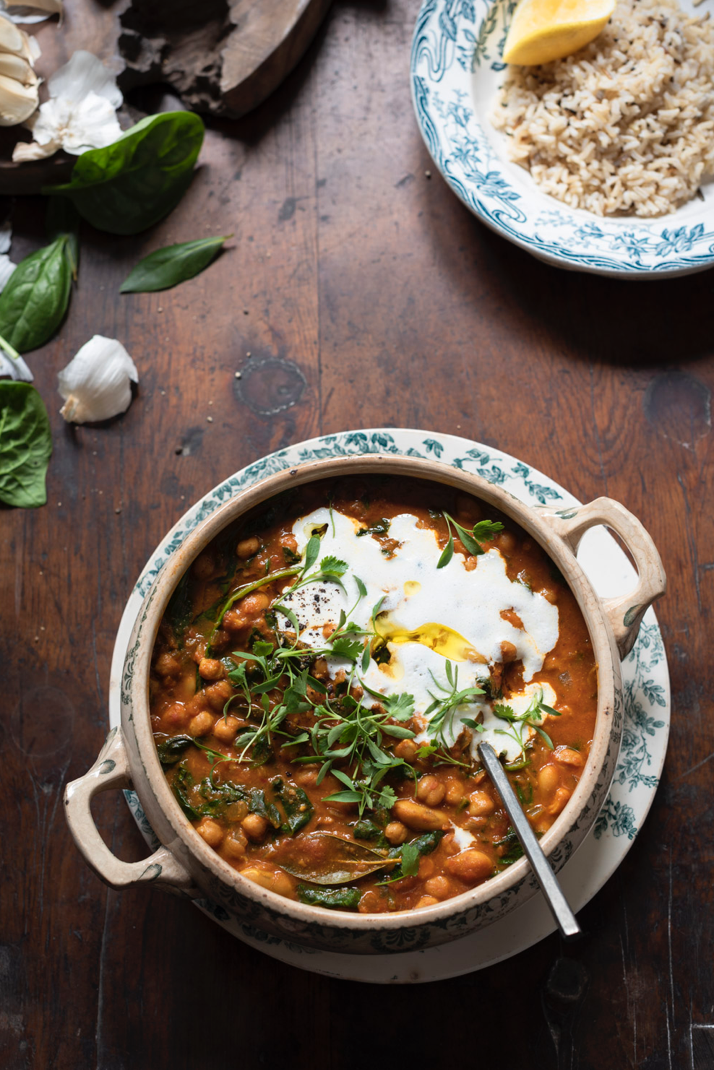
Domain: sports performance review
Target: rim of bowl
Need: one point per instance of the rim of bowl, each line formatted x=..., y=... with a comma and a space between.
x=526, y=517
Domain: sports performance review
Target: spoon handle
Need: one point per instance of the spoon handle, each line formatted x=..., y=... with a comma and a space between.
x=541, y=867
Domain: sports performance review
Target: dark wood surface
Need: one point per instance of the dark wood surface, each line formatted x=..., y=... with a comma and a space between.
x=366, y=295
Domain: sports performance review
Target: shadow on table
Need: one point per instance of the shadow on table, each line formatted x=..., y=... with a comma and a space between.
x=641, y=323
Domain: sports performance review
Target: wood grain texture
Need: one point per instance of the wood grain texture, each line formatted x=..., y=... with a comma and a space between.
x=365, y=295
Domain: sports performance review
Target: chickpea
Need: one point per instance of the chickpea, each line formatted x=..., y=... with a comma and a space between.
x=548, y=779
x=421, y=818
x=211, y=832
x=454, y=793
x=426, y=868
x=233, y=622
x=218, y=694
x=226, y=729
x=254, y=604
x=470, y=866
x=396, y=833
x=470, y=562
x=406, y=749
x=481, y=804
x=430, y=790
x=197, y=704
x=559, y=800
x=439, y=887
x=175, y=715
x=273, y=880
x=289, y=542
x=506, y=543
x=233, y=846
x=306, y=778
x=255, y=827
x=568, y=756
x=210, y=668
x=369, y=903
x=426, y=901
x=473, y=824
x=320, y=670
x=167, y=664
x=203, y=567
x=508, y=652
x=201, y=724
x=247, y=547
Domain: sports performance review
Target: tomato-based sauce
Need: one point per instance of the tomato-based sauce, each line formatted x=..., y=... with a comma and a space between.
x=324, y=673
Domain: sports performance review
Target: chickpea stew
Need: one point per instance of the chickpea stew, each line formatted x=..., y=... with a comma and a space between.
x=325, y=670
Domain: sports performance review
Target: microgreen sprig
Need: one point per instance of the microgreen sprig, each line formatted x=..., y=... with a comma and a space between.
x=482, y=532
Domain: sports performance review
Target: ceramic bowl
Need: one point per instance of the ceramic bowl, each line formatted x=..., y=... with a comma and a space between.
x=184, y=864
x=456, y=69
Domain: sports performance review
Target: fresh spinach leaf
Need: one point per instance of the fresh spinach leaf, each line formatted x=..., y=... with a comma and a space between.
x=172, y=750
x=380, y=528
x=134, y=182
x=296, y=804
x=170, y=266
x=35, y=299
x=269, y=811
x=410, y=853
x=25, y=445
x=336, y=898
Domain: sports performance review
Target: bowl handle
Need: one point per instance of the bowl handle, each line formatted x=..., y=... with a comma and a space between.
x=111, y=770
x=626, y=612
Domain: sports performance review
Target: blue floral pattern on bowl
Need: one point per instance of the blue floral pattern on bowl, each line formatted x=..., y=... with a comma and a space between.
x=455, y=71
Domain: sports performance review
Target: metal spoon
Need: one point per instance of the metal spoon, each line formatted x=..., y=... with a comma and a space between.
x=529, y=842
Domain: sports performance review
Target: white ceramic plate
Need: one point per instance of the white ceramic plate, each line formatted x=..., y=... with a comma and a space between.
x=455, y=71
x=644, y=744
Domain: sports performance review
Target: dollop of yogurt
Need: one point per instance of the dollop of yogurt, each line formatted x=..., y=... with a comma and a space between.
x=436, y=622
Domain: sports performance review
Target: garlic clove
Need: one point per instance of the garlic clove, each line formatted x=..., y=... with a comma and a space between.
x=13, y=66
x=96, y=384
x=12, y=39
x=17, y=101
x=35, y=11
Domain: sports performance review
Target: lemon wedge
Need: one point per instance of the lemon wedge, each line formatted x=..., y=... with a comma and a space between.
x=544, y=30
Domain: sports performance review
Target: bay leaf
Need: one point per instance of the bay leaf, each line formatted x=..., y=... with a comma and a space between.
x=174, y=264
x=325, y=858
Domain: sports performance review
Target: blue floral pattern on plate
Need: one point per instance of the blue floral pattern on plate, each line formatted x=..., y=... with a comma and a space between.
x=455, y=70
x=645, y=692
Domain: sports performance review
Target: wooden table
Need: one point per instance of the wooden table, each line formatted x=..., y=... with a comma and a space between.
x=357, y=292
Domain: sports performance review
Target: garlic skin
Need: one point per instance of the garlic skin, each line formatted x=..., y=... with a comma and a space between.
x=6, y=265
x=19, y=96
x=14, y=369
x=96, y=384
x=80, y=114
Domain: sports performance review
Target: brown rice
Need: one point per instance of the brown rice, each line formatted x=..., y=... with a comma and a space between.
x=625, y=126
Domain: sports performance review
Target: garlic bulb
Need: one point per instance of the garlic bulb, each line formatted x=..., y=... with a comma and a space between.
x=18, y=82
x=80, y=114
x=96, y=384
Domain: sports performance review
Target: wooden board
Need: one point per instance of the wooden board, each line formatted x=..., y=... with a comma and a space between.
x=222, y=58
